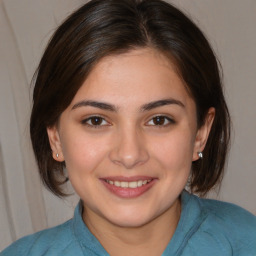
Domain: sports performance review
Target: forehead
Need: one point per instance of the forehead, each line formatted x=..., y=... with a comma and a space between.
x=137, y=76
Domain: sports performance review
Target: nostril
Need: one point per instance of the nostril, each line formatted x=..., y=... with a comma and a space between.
x=129, y=160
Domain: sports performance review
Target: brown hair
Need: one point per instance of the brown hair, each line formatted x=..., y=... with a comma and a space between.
x=103, y=27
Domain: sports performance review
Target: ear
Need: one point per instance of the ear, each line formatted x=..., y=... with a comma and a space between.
x=203, y=133
x=55, y=143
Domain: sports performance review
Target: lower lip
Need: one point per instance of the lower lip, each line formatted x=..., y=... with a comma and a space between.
x=128, y=192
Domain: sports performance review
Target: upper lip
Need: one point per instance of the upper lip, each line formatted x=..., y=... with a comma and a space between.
x=128, y=179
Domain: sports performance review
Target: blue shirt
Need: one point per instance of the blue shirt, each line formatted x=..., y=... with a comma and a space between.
x=206, y=228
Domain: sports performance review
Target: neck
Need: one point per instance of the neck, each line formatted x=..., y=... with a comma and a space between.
x=149, y=239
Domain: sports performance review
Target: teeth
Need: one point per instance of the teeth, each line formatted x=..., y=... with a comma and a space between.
x=117, y=183
x=133, y=184
x=125, y=184
x=140, y=182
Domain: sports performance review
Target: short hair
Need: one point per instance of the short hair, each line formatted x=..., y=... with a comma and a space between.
x=105, y=27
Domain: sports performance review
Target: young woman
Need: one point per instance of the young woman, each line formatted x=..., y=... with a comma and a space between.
x=128, y=99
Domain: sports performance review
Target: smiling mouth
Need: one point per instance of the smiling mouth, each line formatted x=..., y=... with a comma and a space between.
x=129, y=184
x=128, y=187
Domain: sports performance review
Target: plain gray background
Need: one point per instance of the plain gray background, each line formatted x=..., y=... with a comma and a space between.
x=25, y=27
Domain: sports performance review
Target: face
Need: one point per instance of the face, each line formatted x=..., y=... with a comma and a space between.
x=129, y=137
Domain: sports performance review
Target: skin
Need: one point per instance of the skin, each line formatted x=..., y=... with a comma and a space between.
x=129, y=141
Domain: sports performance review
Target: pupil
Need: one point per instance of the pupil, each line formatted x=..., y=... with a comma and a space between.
x=159, y=120
x=96, y=120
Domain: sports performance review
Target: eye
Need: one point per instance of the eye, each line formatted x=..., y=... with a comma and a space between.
x=95, y=121
x=160, y=121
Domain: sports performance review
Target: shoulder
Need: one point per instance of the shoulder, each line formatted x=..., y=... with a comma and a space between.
x=230, y=223
x=229, y=214
x=52, y=241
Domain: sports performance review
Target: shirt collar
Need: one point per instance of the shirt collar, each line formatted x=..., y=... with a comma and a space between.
x=86, y=239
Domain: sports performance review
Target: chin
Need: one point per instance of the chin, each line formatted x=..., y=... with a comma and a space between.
x=131, y=219
x=130, y=222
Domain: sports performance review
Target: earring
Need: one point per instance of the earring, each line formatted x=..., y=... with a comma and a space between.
x=200, y=154
x=57, y=155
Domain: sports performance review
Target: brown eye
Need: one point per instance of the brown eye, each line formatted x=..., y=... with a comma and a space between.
x=160, y=121
x=95, y=121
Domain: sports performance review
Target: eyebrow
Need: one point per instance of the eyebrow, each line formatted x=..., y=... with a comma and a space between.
x=145, y=107
x=96, y=104
x=160, y=103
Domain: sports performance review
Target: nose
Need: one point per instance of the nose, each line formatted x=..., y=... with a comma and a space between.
x=129, y=149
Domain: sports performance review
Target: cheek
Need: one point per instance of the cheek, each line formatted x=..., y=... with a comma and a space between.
x=175, y=150
x=82, y=153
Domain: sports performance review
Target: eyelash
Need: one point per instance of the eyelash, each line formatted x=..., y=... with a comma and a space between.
x=89, y=119
x=167, y=121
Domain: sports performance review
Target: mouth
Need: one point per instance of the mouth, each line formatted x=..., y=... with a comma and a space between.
x=131, y=187
x=128, y=184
